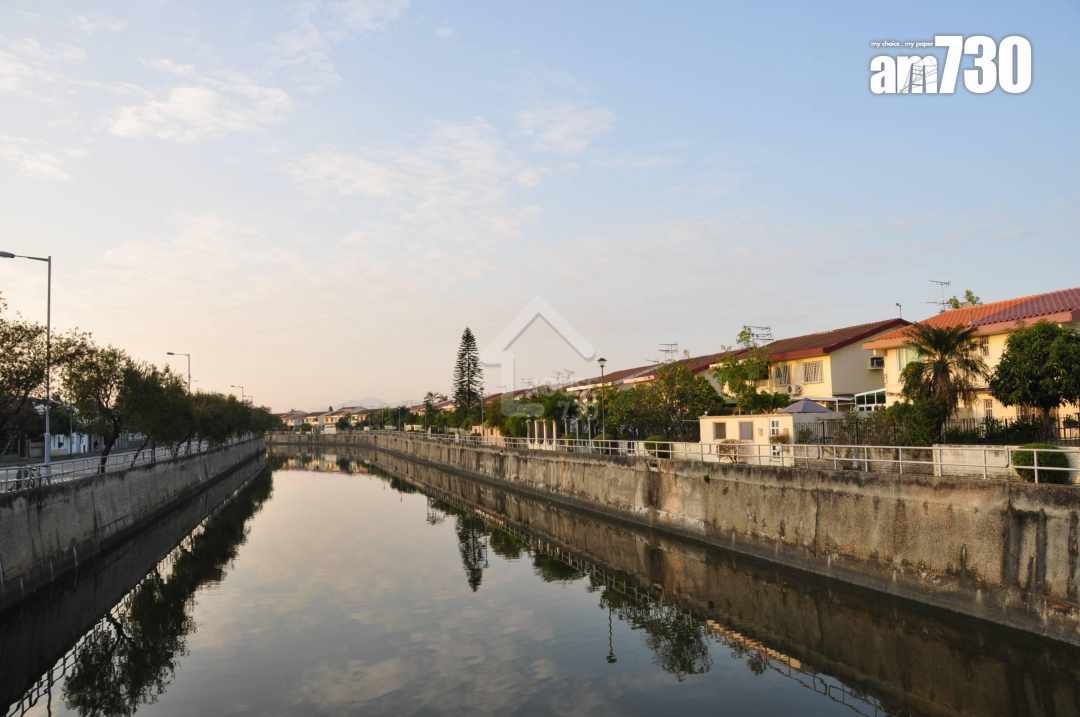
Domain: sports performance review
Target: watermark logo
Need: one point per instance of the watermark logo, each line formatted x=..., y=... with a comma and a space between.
x=498, y=354
x=1004, y=65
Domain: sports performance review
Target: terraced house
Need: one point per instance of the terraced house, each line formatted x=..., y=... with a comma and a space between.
x=831, y=368
x=993, y=323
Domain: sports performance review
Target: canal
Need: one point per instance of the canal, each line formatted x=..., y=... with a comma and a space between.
x=360, y=583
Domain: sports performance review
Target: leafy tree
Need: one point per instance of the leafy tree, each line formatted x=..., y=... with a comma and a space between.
x=677, y=398
x=94, y=383
x=156, y=404
x=22, y=370
x=969, y=300
x=343, y=423
x=431, y=400
x=468, y=376
x=1040, y=369
x=738, y=373
x=947, y=368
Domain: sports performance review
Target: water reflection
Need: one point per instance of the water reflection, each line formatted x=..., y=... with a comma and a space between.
x=129, y=657
x=375, y=585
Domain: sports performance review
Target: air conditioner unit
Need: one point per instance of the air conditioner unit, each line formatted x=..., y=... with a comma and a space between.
x=794, y=389
x=877, y=362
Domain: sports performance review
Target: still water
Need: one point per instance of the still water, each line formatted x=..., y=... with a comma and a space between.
x=355, y=584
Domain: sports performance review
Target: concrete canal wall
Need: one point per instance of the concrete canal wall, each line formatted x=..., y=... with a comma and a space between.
x=1000, y=550
x=49, y=531
x=870, y=641
x=36, y=633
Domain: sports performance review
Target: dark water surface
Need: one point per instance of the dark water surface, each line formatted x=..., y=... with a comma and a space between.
x=332, y=587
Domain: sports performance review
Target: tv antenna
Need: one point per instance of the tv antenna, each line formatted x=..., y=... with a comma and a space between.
x=759, y=334
x=669, y=351
x=943, y=304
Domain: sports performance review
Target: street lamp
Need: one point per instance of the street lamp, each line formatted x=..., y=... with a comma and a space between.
x=188, y=357
x=47, y=453
x=603, y=425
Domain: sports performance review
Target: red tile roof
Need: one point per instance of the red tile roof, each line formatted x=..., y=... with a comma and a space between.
x=826, y=342
x=1063, y=305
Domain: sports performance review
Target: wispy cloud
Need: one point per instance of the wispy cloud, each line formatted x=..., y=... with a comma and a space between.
x=31, y=160
x=445, y=32
x=98, y=22
x=567, y=128
x=26, y=65
x=206, y=105
x=306, y=49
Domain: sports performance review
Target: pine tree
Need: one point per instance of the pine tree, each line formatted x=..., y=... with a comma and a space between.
x=468, y=375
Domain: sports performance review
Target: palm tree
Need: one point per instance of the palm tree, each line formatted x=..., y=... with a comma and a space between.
x=948, y=366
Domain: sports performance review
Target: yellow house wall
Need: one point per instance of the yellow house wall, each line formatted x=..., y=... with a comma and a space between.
x=997, y=342
x=795, y=375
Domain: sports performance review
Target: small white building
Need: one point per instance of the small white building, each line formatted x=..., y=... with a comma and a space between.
x=780, y=427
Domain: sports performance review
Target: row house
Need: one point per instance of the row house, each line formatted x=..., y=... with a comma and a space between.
x=993, y=323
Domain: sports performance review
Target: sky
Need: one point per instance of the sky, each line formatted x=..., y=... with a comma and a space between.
x=315, y=198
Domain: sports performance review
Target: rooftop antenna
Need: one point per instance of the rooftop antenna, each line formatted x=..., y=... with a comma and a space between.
x=670, y=351
x=899, y=310
x=759, y=334
x=944, y=303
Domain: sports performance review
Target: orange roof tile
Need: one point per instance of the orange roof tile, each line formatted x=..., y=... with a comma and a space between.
x=1060, y=305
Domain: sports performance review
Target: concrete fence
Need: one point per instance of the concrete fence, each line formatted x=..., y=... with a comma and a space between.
x=50, y=530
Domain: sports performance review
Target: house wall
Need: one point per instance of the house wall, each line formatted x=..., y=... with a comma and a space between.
x=795, y=376
x=996, y=348
x=761, y=423
x=851, y=371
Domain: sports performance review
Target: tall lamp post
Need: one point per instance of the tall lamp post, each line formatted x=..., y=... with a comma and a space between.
x=603, y=424
x=236, y=385
x=188, y=357
x=47, y=453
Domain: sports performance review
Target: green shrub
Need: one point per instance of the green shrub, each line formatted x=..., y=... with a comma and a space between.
x=1024, y=461
x=660, y=451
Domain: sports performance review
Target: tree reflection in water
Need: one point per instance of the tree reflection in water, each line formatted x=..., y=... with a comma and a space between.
x=130, y=657
x=472, y=544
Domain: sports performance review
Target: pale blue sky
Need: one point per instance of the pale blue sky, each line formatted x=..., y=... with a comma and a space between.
x=314, y=198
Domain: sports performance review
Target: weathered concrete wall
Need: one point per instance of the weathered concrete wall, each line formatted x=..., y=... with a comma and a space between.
x=48, y=531
x=915, y=660
x=36, y=633
x=1000, y=550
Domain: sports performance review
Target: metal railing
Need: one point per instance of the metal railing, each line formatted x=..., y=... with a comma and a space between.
x=27, y=477
x=986, y=461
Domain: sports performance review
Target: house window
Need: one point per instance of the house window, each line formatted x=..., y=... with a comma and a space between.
x=774, y=427
x=719, y=431
x=781, y=375
x=984, y=346
x=811, y=372
x=746, y=430
x=904, y=356
x=988, y=407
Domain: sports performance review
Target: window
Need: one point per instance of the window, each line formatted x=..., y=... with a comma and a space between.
x=811, y=372
x=719, y=431
x=984, y=346
x=774, y=427
x=988, y=407
x=781, y=374
x=904, y=356
x=746, y=430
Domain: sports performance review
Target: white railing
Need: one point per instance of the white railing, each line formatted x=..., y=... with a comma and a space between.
x=26, y=477
x=989, y=461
